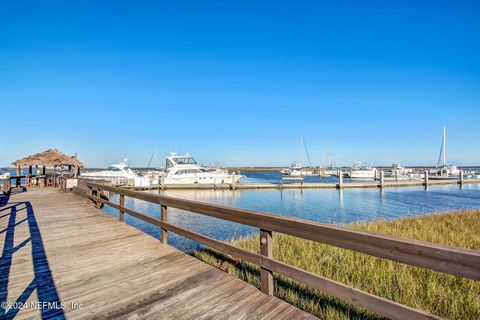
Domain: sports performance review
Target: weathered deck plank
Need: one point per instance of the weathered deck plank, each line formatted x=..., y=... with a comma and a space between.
x=57, y=248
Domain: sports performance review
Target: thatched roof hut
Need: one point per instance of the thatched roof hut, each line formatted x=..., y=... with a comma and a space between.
x=49, y=158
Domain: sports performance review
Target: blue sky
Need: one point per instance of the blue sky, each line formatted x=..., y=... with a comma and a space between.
x=237, y=82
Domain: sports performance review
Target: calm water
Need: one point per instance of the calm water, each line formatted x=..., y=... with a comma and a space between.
x=275, y=177
x=327, y=206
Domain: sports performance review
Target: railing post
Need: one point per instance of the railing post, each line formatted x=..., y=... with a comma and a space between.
x=97, y=194
x=7, y=186
x=121, y=216
x=90, y=193
x=266, y=276
x=163, y=218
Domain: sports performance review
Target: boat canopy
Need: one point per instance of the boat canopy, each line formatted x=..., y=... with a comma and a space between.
x=171, y=161
x=117, y=168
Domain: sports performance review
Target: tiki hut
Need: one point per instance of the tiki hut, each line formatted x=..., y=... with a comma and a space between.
x=49, y=158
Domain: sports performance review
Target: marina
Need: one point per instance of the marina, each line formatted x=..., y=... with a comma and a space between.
x=184, y=172
x=340, y=183
x=223, y=160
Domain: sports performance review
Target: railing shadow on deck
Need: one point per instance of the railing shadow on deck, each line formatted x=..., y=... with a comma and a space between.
x=4, y=199
x=249, y=272
x=43, y=281
x=5, y=195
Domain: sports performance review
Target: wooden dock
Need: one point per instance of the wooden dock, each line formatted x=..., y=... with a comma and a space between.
x=311, y=185
x=59, y=249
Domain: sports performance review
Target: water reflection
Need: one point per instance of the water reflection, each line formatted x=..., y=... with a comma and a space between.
x=340, y=199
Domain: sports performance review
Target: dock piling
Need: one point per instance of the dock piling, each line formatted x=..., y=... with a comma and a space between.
x=340, y=179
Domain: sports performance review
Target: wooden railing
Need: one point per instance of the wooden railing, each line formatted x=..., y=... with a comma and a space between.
x=450, y=260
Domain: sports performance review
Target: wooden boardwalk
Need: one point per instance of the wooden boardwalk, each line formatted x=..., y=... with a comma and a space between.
x=57, y=249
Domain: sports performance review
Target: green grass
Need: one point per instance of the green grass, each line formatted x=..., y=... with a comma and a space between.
x=442, y=295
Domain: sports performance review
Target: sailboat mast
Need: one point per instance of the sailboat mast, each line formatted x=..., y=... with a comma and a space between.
x=444, y=145
x=301, y=150
x=152, y=158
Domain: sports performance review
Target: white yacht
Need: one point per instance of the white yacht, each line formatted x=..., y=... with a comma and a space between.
x=449, y=170
x=183, y=169
x=119, y=174
x=399, y=172
x=361, y=172
x=4, y=175
x=297, y=170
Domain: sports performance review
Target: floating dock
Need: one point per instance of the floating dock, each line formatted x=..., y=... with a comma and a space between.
x=310, y=185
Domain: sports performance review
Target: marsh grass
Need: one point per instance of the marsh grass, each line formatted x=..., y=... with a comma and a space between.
x=440, y=294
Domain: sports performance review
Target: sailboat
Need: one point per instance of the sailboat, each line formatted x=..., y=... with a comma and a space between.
x=331, y=168
x=155, y=176
x=297, y=169
x=445, y=169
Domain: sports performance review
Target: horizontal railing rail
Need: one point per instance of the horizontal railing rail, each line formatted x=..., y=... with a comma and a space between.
x=442, y=258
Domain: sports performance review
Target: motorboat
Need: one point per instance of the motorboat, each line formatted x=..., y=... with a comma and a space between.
x=361, y=172
x=449, y=170
x=297, y=170
x=119, y=174
x=399, y=172
x=330, y=171
x=184, y=169
x=4, y=175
